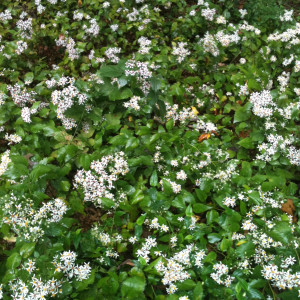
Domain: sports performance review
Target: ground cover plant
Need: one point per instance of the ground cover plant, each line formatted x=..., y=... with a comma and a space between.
x=149, y=149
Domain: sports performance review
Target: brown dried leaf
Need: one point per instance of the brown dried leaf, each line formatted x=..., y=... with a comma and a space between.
x=289, y=208
x=126, y=262
x=243, y=134
x=203, y=136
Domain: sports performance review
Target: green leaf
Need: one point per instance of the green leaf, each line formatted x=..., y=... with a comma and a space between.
x=246, y=169
x=170, y=124
x=243, y=113
x=133, y=287
x=82, y=285
x=111, y=71
x=186, y=285
x=246, y=143
x=255, y=197
x=245, y=250
x=225, y=244
x=243, y=283
x=256, y=295
x=210, y=257
x=131, y=143
x=76, y=204
x=167, y=187
x=137, y=197
x=281, y=232
x=109, y=285
x=212, y=216
x=65, y=185
x=27, y=249
x=66, y=153
x=198, y=291
x=39, y=171
x=13, y=261
x=189, y=211
x=109, y=203
x=214, y=237
x=154, y=179
x=66, y=288
x=140, y=220
x=155, y=83
x=200, y=208
x=28, y=77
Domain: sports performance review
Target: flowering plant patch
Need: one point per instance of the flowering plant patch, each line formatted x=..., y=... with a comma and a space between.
x=149, y=149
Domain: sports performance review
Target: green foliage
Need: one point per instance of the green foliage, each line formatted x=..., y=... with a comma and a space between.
x=149, y=150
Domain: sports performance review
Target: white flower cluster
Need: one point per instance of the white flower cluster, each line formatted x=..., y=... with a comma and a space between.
x=110, y=53
x=288, y=16
x=209, y=44
x=229, y=201
x=208, y=13
x=12, y=138
x=244, y=90
x=297, y=66
x=140, y=70
x=21, y=47
x=243, y=13
x=283, y=80
x=225, y=175
x=25, y=27
x=26, y=113
x=69, y=44
x=181, y=175
x=174, y=270
x=183, y=116
x=155, y=225
x=269, y=198
x=20, y=96
x=181, y=52
x=294, y=155
x=5, y=160
x=145, y=250
x=144, y=45
x=5, y=16
x=29, y=266
x=114, y=27
x=175, y=186
x=237, y=236
x=249, y=225
x=94, y=28
x=245, y=26
x=133, y=103
x=288, y=61
x=98, y=182
x=66, y=263
x=104, y=237
x=290, y=35
x=65, y=99
x=27, y=221
x=35, y=289
x=277, y=143
x=262, y=103
x=281, y=279
x=226, y=39
x=220, y=274
x=262, y=240
x=261, y=256
x=221, y=20
x=288, y=261
x=205, y=126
